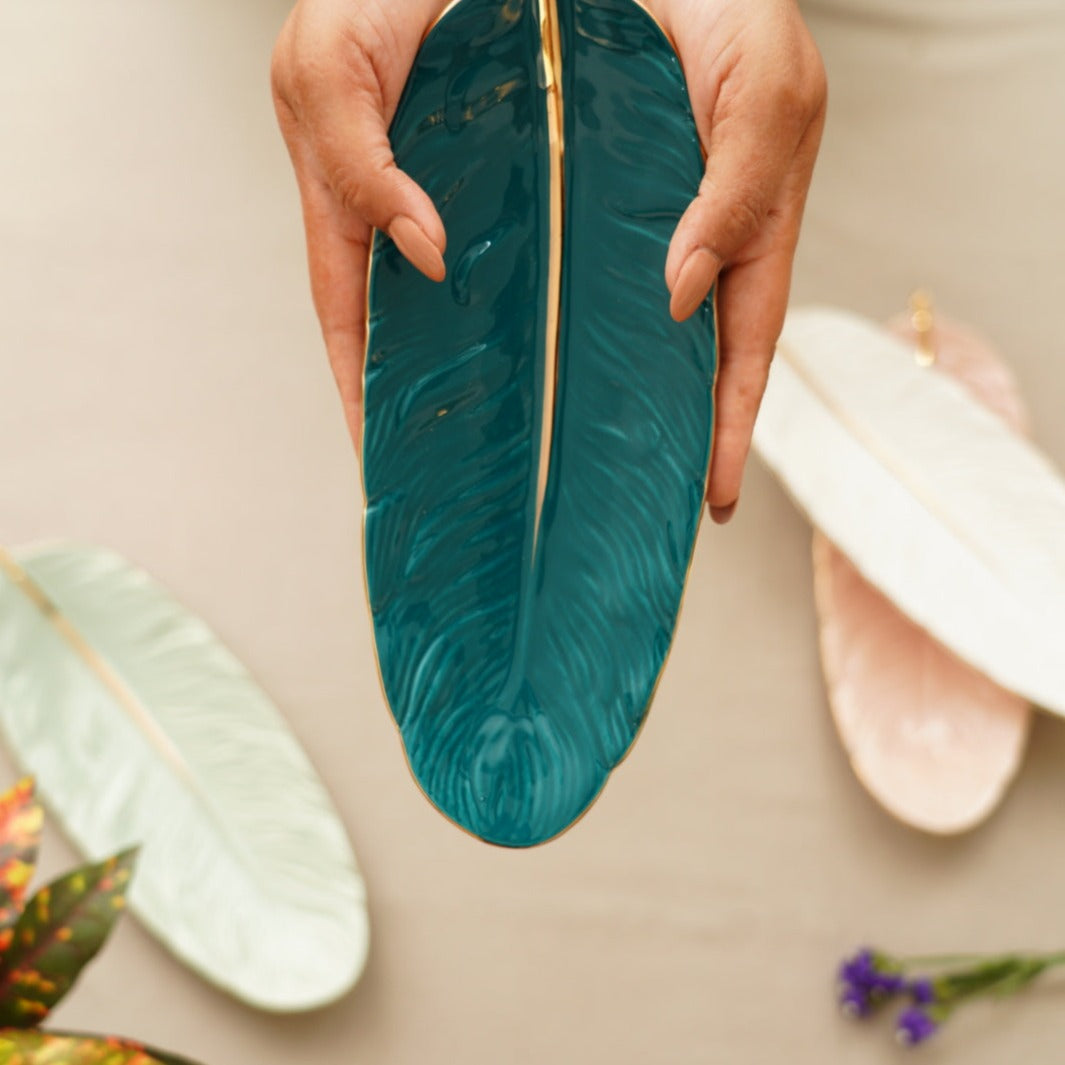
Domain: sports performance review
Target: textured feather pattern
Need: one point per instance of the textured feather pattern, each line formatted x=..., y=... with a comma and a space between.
x=934, y=740
x=245, y=872
x=520, y=638
x=958, y=520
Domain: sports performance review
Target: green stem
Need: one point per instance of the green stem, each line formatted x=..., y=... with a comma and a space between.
x=920, y=960
x=1002, y=975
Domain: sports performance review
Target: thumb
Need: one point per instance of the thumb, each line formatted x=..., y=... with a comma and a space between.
x=745, y=169
x=350, y=139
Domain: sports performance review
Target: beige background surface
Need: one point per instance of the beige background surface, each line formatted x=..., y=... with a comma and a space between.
x=163, y=391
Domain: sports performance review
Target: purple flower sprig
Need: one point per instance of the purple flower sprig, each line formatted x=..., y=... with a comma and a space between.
x=931, y=988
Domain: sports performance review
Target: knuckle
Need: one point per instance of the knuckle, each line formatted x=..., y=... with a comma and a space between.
x=306, y=77
x=362, y=188
x=349, y=186
x=799, y=88
x=794, y=102
x=747, y=394
x=294, y=78
x=342, y=338
x=367, y=186
x=305, y=63
x=810, y=85
x=740, y=220
x=280, y=68
x=816, y=81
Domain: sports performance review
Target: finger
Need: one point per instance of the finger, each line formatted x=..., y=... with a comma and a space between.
x=350, y=141
x=752, y=303
x=338, y=250
x=744, y=174
x=749, y=157
x=752, y=300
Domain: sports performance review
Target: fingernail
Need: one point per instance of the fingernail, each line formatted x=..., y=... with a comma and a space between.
x=723, y=515
x=693, y=283
x=411, y=240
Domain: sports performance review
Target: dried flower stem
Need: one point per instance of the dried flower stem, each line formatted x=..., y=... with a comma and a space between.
x=933, y=986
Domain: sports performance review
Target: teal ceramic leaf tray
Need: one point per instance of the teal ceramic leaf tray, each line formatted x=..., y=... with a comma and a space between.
x=538, y=428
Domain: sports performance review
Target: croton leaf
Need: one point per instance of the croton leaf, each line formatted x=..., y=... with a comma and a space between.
x=31, y=1047
x=537, y=429
x=59, y=931
x=21, y=818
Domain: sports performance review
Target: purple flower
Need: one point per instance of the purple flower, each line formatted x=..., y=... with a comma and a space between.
x=870, y=979
x=866, y=981
x=854, y=1001
x=914, y=1026
x=922, y=991
x=859, y=968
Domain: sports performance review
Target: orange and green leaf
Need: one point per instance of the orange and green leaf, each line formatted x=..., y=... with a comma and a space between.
x=22, y=1047
x=21, y=818
x=59, y=931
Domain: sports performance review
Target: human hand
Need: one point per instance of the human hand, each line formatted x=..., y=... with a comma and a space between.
x=339, y=67
x=758, y=92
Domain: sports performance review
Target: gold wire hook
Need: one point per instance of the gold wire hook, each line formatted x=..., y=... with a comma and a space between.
x=923, y=320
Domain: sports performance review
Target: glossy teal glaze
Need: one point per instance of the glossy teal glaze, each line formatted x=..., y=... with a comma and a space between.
x=520, y=679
